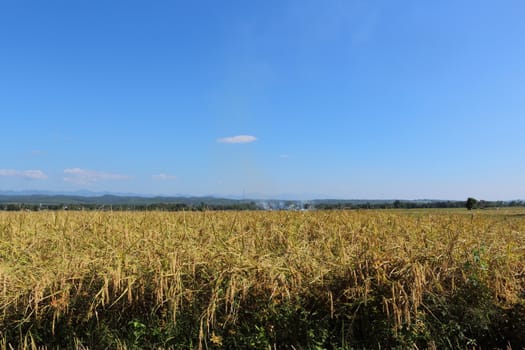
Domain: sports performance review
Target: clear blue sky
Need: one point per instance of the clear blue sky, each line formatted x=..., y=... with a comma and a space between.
x=353, y=99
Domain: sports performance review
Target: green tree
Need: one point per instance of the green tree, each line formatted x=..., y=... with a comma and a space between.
x=471, y=203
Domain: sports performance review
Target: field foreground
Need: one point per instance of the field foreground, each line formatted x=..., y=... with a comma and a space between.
x=338, y=279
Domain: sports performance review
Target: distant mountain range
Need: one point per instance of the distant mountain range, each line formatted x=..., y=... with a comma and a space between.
x=125, y=196
x=107, y=198
x=85, y=196
x=82, y=193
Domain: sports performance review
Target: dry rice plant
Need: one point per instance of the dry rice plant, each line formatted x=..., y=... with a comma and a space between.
x=346, y=279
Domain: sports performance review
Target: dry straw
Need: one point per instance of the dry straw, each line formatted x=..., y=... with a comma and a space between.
x=99, y=261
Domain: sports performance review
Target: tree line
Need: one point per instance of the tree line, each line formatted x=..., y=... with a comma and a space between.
x=470, y=203
x=129, y=207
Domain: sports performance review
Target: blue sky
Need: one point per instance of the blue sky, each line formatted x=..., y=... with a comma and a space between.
x=347, y=99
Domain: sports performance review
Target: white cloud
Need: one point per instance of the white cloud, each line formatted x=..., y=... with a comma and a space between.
x=163, y=176
x=237, y=139
x=26, y=174
x=85, y=176
x=284, y=156
x=9, y=172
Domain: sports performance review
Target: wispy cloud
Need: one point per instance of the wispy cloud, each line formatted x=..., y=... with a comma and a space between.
x=284, y=156
x=237, y=139
x=85, y=176
x=163, y=176
x=25, y=174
